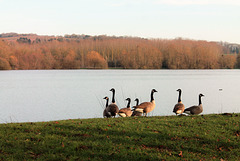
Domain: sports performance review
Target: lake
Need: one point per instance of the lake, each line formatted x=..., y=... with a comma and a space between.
x=45, y=95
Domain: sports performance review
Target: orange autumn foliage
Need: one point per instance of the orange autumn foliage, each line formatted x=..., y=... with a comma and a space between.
x=122, y=52
x=95, y=60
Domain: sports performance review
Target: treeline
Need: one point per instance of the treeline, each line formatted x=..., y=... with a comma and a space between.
x=128, y=53
x=13, y=34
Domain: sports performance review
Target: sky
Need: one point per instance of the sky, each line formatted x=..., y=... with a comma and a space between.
x=211, y=20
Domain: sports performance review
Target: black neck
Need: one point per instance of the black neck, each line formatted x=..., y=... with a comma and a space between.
x=179, y=96
x=113, y=97
x=152, y=96
x=200, y=101
x=106, y=103
x=128, y=105
x=137, y=102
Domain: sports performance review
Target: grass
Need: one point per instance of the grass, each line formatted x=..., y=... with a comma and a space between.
x=208, y=137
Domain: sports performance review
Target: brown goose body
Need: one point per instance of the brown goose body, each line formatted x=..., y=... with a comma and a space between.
x=179, y=107
x=112, y=108
x=147, y=107
x=126, y=112
x=195, y=110
x=106, y=114
x=136, y=113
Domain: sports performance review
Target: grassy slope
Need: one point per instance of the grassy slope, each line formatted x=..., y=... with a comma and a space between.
x=206, y=137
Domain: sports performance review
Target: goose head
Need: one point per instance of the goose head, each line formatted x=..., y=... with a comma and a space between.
x=179, y=90
x=113, y=90
x=128, y=99
x=201, y=95
x=154, y=90
x=106, y=98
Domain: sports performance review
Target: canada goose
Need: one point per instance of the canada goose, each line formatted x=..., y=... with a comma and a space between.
x=126, y=112
x=113, y=108
x=195, y=110
x=136, y=113
x=147, y=107
x=179, y=107
x=105, y=113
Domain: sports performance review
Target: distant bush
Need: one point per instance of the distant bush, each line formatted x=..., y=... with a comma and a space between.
x=24, y=40
x=13, y=62
x=95, y=60
x=4, y=64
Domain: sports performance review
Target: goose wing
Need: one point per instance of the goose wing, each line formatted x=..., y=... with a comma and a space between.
x=125, y=112
x=179, y=108
x=193, y=110
x=144, y=105
x=137, y=113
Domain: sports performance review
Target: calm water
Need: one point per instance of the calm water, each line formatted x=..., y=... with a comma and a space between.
x=69, y=94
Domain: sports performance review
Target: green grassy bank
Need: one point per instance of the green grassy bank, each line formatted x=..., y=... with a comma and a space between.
x=208, y=137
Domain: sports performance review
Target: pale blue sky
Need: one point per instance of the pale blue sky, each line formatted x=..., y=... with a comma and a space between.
x=212, y=20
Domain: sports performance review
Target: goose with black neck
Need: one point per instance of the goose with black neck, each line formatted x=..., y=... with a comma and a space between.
x=113, y=108
x=179, y=107
x=105, y=113
x=126, y=112
x=195, y=110
x=147, y=107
